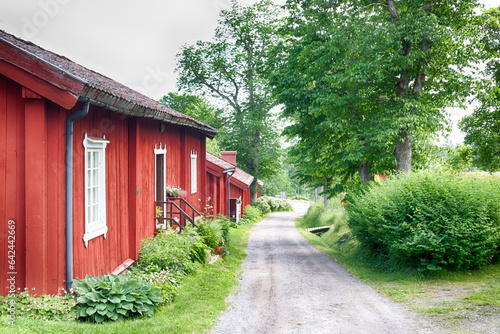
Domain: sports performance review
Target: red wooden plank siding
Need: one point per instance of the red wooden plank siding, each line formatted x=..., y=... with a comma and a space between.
x=36, y=194
x=102, y=255
x=134, y=173
x=14, y=173
x=3, y=183
x=56, y=120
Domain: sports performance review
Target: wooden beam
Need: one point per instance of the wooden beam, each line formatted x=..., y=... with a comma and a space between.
x=63, y=98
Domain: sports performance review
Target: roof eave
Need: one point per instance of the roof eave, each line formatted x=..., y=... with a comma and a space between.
x=116, y=104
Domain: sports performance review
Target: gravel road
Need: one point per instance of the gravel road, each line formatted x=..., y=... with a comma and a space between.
x=287, y=286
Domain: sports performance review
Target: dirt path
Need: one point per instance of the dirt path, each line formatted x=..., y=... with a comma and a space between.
x=287, y=286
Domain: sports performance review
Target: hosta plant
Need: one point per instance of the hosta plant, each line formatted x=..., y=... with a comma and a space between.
x=113, y=297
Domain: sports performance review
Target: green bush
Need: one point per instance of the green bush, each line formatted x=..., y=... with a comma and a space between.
x=225, y=224
x=163, y=280
x=262, y=204
x=283, y=205
x=112, y=297
x=168, y=251
x=211, y=233
x=266, y=205
x=252, y=214
x=429, y=221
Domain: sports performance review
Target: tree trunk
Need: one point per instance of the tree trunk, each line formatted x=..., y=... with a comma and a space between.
x=403, y=152
x=364, y=172
x=325, y=196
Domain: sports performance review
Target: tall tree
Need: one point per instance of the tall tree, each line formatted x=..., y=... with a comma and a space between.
x=483, y=126
x=372, y=78
x=198, y=107
x=231, y=68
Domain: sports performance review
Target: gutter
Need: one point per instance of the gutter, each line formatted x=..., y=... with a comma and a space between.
x=69, y=190
x=233, y=170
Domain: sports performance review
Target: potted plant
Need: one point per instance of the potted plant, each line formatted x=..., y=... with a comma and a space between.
x=158, y=230
x=221, y=249
x=175, y=192
x=159, y=213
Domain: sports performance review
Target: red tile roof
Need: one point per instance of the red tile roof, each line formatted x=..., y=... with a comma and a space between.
x=218, y=161
x=239, y=174
x=102, y=90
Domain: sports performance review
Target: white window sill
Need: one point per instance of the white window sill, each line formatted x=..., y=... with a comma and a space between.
x=94, y=234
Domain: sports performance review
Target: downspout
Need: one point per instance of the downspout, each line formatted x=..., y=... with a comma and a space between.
x=233, y=170
x=69, y=190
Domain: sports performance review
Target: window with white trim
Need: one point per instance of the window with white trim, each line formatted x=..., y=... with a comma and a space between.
x=95, y=188
x=194, y=172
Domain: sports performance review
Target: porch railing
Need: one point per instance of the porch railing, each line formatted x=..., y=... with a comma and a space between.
x=177, y=214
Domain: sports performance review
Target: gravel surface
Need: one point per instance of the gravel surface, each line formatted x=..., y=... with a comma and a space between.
x=287, y=286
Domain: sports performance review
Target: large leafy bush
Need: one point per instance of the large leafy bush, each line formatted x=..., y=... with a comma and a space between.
x=168, y=251
x=267, y=204
x=112, y=297
x=251, y=214
x=263, y=205
x=429, y=221
x=211, y=233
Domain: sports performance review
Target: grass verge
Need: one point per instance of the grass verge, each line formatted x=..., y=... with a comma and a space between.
x=460, y=301
x=200, y=301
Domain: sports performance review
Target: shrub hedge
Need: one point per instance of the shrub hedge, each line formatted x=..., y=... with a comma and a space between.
x=167, y=251
x=429, y=221
x=267, y=204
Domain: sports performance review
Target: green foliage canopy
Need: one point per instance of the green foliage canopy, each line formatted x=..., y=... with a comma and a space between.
x=483, y=126
x=231, y=68
x=365, y=84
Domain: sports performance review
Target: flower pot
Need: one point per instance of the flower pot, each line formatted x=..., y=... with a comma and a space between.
x=218, y=250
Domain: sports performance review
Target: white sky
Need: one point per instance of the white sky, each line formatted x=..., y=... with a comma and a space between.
x=133, y=42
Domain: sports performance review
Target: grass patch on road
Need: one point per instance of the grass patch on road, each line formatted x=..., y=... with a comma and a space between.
x=462, y=301
x=200, y=301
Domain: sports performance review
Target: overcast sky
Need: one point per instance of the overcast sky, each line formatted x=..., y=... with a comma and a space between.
x=133, y=42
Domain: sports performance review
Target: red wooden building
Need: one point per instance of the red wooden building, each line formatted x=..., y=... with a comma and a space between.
x=82, y=161
x=218, y=172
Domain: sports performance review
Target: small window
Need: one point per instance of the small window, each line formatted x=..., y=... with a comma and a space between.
x=194, y=172
x=95, y=188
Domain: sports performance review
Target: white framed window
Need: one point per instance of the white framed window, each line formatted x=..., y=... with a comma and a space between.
x=160, y=173
x=194, y=172
x=95, y=188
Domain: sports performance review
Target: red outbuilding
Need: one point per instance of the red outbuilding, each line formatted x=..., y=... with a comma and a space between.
x=219, y=171
x=82, y=161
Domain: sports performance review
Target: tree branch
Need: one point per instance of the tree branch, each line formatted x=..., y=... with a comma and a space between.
x=217, y=91
x=370, y=5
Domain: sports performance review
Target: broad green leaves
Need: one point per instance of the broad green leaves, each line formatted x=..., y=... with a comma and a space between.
x=115, y=298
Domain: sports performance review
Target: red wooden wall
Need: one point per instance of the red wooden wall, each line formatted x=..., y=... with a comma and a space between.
x=102, y=255
x=144, y=135
x=12, y=178
x=216, y=190
x=32, y=185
